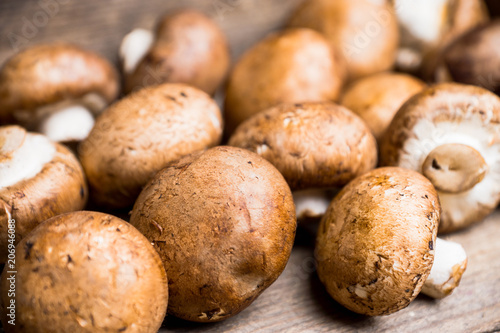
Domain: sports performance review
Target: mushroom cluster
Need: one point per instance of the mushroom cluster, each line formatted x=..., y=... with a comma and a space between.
x=220, y=221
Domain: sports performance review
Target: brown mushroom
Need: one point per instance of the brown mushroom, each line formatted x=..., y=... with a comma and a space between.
x=224, y=223
x=313, y=145
x=187, y=47
x=140, y=134
x=365, y=32
x=85, y=272
x=378, y=97
x=295, y=65
x=38, y=179
x=450, y=133
x=428, y=26
x=56, y=89
x=374, y=248
x=474, y=58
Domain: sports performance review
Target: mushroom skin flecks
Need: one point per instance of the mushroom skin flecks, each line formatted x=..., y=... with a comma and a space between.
x=451, y=133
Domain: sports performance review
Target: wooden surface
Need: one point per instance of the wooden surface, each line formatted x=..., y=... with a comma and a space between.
x=296, y=302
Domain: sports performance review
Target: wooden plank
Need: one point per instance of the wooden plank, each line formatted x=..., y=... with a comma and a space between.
x=297, y=302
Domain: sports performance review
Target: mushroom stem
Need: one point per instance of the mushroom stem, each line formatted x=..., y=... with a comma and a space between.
x=450, y=261
x=311, y=204
x=134, y=47
x=72, y=123
x=454, y=168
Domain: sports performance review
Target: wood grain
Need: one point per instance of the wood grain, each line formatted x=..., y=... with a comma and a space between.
x=296, y=302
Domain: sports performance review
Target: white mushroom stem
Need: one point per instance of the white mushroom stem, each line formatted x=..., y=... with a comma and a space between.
x=454, y=167
x=134, y=47
x=450, y=261
x=22, y=154
x=311, y=203
x=72, y=123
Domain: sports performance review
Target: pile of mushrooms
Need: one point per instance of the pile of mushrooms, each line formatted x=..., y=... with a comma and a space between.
x=220, y=221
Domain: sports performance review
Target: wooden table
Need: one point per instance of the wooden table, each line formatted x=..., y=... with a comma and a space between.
x=296, y=302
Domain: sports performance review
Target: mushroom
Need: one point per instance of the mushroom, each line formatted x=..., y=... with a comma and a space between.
x=450, y=133
x=56, y=89
x=474, y=58
x=314, y=146
x=187, y=47
x=223, y=222
x=38, y=179
x=365, y=32
x=295, y=65
x=428, y=26
x=140, y=134
x=86, y=272
x=375, y=244
x=378, y=97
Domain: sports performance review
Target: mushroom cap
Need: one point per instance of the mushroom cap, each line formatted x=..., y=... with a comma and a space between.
x=378, y=97
x=137, y=136
x=312, y=144
x=189, y=48
x=474, y=58
x=224, y=223
x=364, y=31
x=294, y=65
x=52, y=73
x=58, y=188
x=374, y=248
x=449, y=113
x=87, y=272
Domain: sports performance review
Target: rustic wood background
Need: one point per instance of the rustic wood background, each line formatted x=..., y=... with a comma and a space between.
x=297, y=302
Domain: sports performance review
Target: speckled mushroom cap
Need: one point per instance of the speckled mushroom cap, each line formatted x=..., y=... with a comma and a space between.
x=51, y=73
x=377, y=98
x=137, y=136
x=189, y=48
x=364, y=31
x=375, y=244
x=224, y=223
x=465, y=121
x=59, y=187
x=87, y=272
x=314, y=145
x=294, y=65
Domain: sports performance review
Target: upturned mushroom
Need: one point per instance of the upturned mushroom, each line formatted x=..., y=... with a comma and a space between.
x=85, y=272
x=186, y=47
x=314, y=146
x=375, y=244
x=474, y=58
x=428, y=26
x=223, y=222
x=295, y=65
x=377, y=98
x=56, y=89
x=140, y=134
x=364, y=32
x=38, y=179
x=450, y=133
